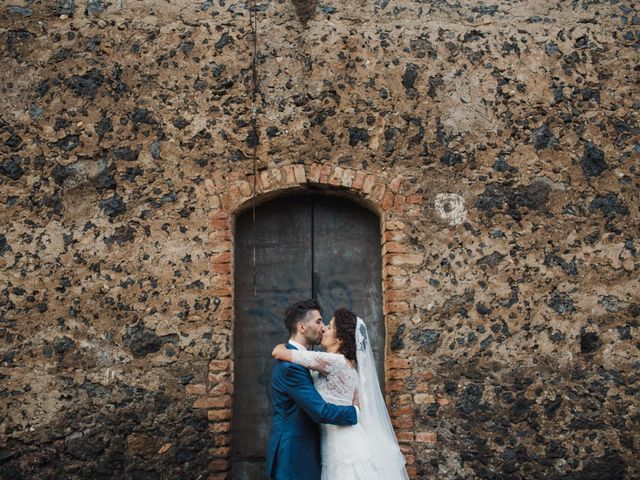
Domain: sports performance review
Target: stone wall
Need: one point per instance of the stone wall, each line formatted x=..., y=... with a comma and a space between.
x=498, y=142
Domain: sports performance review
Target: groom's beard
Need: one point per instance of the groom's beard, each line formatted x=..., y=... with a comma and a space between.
x=313, y=341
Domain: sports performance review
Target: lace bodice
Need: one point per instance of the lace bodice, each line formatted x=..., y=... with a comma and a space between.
x=336, y=381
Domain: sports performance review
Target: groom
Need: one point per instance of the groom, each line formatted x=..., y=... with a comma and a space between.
x=294, y=443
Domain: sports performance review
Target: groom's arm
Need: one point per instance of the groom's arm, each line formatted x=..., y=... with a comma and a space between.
x=304, y=394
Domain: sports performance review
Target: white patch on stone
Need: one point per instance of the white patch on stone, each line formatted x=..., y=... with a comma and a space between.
x=450, y=207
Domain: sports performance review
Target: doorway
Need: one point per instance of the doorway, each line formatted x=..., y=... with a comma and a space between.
x=306, y=246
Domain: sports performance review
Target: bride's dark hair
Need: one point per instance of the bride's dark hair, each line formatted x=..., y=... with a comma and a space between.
x=346, y=322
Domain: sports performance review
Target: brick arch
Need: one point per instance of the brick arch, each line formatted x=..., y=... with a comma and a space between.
x=392, y=197
x=311, y=189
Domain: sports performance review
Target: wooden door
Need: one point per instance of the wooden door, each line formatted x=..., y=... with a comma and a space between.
x=306, y=246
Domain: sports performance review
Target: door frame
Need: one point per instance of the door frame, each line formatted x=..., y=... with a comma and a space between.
x=396, y=201
x=310, y=228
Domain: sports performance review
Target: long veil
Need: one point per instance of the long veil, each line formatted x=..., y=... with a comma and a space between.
x=374, y=417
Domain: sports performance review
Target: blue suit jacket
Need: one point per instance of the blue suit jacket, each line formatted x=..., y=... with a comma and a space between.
x=294, y=444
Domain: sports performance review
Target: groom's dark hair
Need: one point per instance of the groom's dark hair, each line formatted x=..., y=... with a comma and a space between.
x=297, y=313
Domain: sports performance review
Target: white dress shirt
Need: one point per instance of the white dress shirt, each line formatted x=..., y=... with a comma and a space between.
x=298, y=346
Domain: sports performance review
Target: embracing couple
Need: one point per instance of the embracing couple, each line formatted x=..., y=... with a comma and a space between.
x=355, y=439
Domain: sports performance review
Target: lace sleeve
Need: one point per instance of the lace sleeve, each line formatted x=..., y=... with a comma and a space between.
x=321, y=362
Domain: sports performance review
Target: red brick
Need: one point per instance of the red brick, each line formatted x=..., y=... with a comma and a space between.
x=219, y=181
x=223, y=427
x=414, y=199
x=218, y=476
x=314, y=174
x=221, y=440
x=428, y=375
x=223, y=234
x=369, y=183
x=412, y=472
x=394, y=225
x=396, y=295
x=336, y=178
x=403, y=410
x=235, y=195
x=392, y=281
x=222, y=291
x=396, y=386
x=250, y=177
x=397, y=307
x=299, y=173
x=347, y=177
x=264, y=180
x=325, y=171
x=219, y=465
x=398, y=362
x=403, y=399
x=289, y=176
x=214, y=202
x=358, y=181
x=196, y=389
x=405, y=437
x=387, y=200
x=224, y=257
x=219, y=377
x=402, y=422
x=394, y=247
x=277, y=177
x=377, y=193
x=222, y=280
x=220, y=223
x=391, y=270
x=394, y=185
x=399, y=374
x=246, y=189
x=221, y=268
x=426, y=437
x=234, y=175
x=220, y=452
x=393, y=236
x=222, y=388
x=219, y=415
x=218, y=214
x=404, y=258
x=223, y=401
x=221, y=365
x=222, y=246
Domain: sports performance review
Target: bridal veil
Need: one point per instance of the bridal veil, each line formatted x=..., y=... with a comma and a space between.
x=374, y=417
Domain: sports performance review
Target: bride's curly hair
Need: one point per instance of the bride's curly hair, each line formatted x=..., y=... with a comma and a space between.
x=346, y=322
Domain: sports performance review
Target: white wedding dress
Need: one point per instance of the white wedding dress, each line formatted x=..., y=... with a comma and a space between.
x=369, y=449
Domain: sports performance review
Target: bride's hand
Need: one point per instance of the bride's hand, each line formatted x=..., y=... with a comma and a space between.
x=279, y=351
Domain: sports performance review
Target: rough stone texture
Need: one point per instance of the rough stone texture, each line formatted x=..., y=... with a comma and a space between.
x=513, y=352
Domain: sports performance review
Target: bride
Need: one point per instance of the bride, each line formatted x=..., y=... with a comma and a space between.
x=346, y=371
